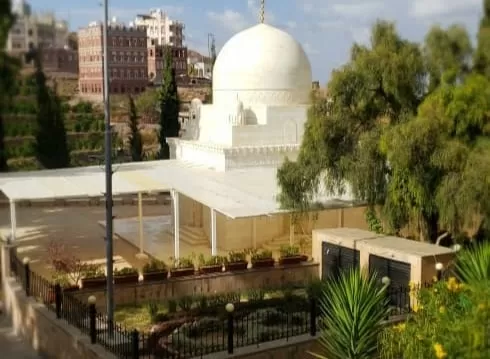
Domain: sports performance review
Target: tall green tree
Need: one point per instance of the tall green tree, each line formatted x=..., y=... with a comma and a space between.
x=448, y=53
x=381, y=85
x=51, y=145
x=8, y=74
x=421, y=155
x=135, y=140
x=481, y=61
x=169, y=106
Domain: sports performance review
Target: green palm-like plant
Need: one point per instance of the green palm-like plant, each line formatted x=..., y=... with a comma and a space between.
x=353, y=308
x=473, y=265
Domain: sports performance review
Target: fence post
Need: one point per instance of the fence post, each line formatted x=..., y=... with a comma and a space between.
x=57, y=299
x=230, y=308
x=313, y=317
x=92, y=313
x=27, y=276
x=135, y=344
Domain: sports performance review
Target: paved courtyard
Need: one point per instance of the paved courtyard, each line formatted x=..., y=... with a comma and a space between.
x=78, y=228
x=11, y=346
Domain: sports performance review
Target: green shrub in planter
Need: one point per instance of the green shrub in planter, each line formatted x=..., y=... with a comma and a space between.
x=172, y=306
x=182, y=267
x=212, y=264
x=185, y=303
x=126, y=275
x=262, y=258
x=290, y=255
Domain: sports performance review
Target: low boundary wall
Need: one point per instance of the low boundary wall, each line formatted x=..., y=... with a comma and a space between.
x=209, y=284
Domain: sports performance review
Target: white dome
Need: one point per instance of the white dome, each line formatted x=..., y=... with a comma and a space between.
x=262, y=65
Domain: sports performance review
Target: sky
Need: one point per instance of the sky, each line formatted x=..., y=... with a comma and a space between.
x=326, y=28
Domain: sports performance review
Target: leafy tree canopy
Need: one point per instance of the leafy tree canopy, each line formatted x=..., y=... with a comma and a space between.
x=8, y=73
x=482, y=54
x=404, y=128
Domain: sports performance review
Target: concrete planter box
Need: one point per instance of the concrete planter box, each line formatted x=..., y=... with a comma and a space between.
x=155, y=276
x=126, y=279
x=284, y=261
x=263, y=263
x=94, y=283
x=218, y=268
x=181, y=272
x=237, y=266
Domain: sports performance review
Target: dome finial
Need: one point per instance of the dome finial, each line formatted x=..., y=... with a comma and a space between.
x=262, y=11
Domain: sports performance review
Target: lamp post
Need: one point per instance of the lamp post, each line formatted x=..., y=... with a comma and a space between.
x=108, y=174
x=439, y=268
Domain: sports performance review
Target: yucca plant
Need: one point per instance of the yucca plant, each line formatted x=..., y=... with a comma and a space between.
x=473, y=265
x=353, y=308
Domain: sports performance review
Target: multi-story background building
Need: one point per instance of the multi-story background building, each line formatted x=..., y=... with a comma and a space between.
x=160, y=29
x=60, y=61
x=127, y=62
x=35, y=30
x=156, y=62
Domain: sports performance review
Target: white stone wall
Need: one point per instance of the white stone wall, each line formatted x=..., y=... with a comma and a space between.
x=285, y=125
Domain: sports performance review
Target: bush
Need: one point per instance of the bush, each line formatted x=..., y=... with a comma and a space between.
x=185, y=303
x=449, y=321
x=172, y=306
x=82, y=107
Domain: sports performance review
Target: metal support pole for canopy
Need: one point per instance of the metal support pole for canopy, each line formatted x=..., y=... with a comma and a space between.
x=254, y=232
x=141, y=254
x=13, y=220
x=214, y=247
x=176, y=207
x=291, y=230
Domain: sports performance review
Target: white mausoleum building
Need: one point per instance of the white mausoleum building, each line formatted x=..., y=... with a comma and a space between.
x=222, y=175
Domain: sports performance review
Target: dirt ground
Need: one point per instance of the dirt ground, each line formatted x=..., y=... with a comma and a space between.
x=77, y=228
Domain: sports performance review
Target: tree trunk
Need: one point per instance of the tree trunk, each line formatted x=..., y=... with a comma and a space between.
x=429, y=229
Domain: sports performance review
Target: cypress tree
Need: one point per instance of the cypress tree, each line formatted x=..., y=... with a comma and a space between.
x=135, y=140
x=481, y=60
x=3, y=153
x=51, y=145
x=8, y=72
x=169, y=106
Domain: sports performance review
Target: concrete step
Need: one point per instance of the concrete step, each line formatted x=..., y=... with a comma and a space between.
x=194, y=236
x=276, y=244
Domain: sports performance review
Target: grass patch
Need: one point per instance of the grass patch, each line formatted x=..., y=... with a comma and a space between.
x=133, y=317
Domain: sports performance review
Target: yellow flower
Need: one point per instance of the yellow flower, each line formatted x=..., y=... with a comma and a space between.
x=420, y=337
x=439, y=351
x=416, y=308
x=453, y=285
x=400, y=327
x=442, y=309
x=434, y=279
x=481, y=306
x=411, y=285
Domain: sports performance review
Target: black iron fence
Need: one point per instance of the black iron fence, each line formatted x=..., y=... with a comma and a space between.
x=234, y=326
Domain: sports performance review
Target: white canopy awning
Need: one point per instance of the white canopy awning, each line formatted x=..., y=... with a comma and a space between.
x=242, y=193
